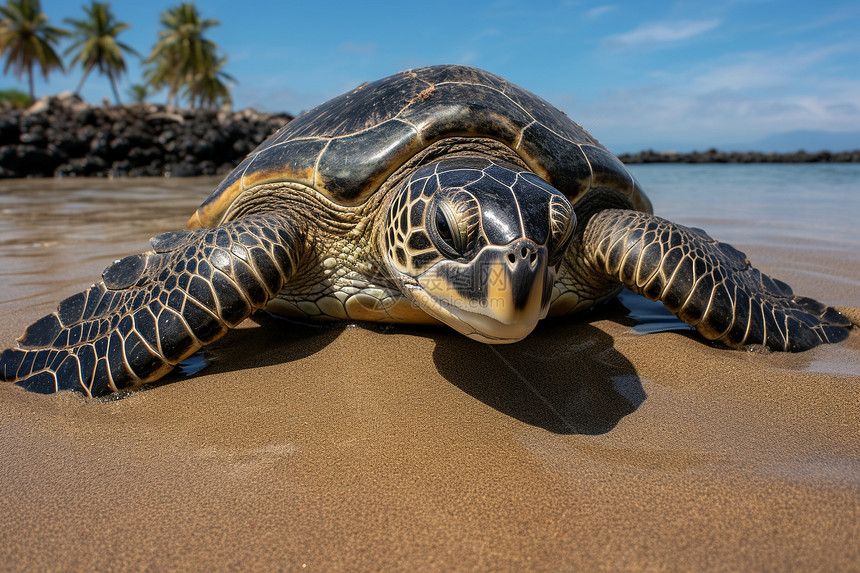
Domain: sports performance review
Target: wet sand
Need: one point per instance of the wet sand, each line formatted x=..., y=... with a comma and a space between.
x=589, y=445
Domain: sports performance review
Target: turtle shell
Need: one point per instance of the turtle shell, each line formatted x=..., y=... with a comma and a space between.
x=347, y=147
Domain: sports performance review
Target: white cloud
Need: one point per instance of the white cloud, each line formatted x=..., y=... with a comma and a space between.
x=661, y=32
x=740, y=76
x=598, y=11
x=789, y=72
x=702, y=120
x=727, y=101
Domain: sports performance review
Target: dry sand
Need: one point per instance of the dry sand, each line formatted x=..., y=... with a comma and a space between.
x=586, y=446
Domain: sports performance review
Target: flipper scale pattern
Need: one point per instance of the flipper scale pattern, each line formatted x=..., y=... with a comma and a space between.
x=708, y=284
x=152, y=310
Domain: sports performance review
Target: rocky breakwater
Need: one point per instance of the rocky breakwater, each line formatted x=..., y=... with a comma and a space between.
x=64, y=136
x=715, y=156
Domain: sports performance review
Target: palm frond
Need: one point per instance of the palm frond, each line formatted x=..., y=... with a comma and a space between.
x=96, y=43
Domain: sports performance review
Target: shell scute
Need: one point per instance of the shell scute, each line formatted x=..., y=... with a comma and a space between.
x=297, y=157
x=467, y=110
x=607, y=170
x=378, y=101
x=209, y=213
x=354, y=165
x=559, y=161
x=436, y=75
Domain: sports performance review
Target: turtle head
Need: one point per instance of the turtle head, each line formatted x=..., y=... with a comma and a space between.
x=476, y=243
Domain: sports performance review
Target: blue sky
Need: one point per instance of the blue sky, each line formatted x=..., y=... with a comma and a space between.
x=668, y=75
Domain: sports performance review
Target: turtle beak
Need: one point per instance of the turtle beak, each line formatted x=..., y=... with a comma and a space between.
x=498, y=297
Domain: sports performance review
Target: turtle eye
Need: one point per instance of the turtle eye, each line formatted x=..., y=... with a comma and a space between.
x=445, y=222
x=455, y=223
x=562, y=221
x=443, y=228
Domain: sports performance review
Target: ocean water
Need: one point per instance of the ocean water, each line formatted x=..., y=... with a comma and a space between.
x=766, y=204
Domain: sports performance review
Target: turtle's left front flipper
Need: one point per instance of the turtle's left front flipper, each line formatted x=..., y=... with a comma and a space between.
x=707, y=284
x=152, y=310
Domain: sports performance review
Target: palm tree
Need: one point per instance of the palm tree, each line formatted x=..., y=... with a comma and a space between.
x=208, y=87
x=138, y=93
x=26, y=39
x=97, y=46
x=182, y=53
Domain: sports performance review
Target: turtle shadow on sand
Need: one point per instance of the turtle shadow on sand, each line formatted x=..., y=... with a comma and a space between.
x=269, y=342
x=566, y=377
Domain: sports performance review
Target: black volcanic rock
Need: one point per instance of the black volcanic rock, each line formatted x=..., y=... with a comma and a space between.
x=27, y=160
x=715, y=156
x=64, y=136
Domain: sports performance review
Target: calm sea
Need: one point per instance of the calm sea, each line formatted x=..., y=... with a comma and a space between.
x=763, y=204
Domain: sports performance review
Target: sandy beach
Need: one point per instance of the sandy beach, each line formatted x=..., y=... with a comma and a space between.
x=588, y=446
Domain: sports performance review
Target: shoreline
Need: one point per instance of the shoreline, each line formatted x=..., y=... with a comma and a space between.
x=64, y=136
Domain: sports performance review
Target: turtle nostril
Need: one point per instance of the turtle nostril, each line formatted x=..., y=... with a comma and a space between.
x=533, y=257
x=512, y=258
x=524, y=252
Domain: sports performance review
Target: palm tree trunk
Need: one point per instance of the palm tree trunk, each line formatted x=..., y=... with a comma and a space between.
x=32, y=85
x=113, y=86
x=83, y=79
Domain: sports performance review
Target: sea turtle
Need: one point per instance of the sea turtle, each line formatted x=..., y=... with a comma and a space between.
x=442, y=194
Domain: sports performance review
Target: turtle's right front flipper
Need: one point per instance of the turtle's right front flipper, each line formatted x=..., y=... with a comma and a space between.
x=152, y=310
x=708, y=284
